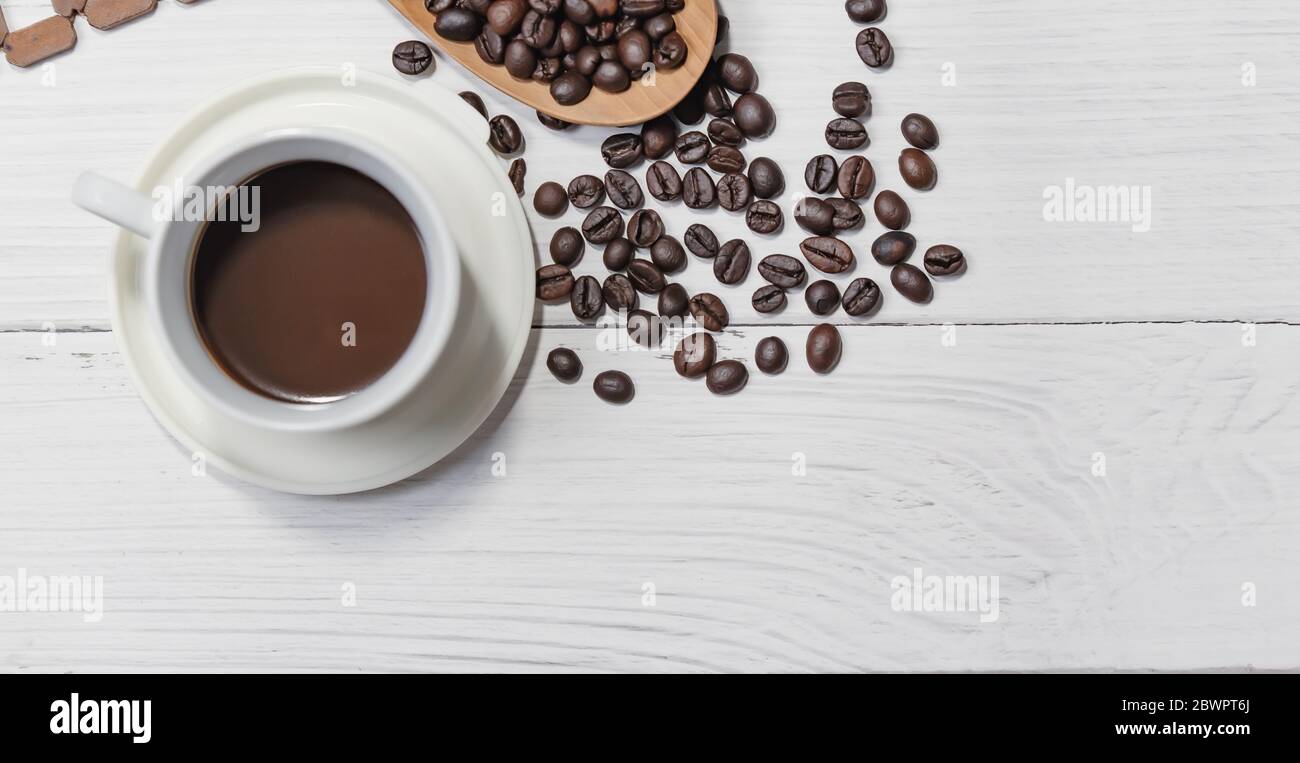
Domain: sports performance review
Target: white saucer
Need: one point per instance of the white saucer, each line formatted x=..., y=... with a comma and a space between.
x=442, y=140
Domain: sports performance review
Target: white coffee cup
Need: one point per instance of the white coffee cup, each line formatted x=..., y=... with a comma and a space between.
x=166, y=286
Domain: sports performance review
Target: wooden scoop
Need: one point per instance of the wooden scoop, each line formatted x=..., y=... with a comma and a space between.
x=697, y=22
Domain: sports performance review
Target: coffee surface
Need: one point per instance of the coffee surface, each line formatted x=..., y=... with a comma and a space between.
x=324, y=298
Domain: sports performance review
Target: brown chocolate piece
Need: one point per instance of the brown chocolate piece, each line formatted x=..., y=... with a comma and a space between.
x=106, y=14
x=68, y=7
x=45, y=38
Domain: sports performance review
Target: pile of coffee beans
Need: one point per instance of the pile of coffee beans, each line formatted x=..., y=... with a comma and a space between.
x=573, y=45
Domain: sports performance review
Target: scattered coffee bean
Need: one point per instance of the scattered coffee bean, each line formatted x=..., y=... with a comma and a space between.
x=554, y=282
x=892, y=211
x=622, y=150
x=587, y=299
x=829, y=255
x=852, y=99
x=823, y=297
x=731, y=265
x=564, y=365
x=865, y=11
x=725, y=159
x=663, y=182
x=603, y=225
x=550, y=199
x=690, y=110
x=723, y=132
x=618, y=254
x=518, y=171
x=646, y=329
x=520, y=60
x=698, y=189
x=918, y=169
x=846, y=134
x=693, y=147
x=782, y=270
x=874, y=48
x=764, y=217
x=412, y=57
x=815, y=216
x=505, y=135
x=737, y=73
x=674, y=301
x=553, y=123
x=717, y=102
x=768, y=299
x=893, y=247
x=821, y=173
x=619, y=292
x=702, y=242
x=567, y=247
x=586, y=191
x=856, y=178
x=920, y=132
x=710, y=312
x=667, y=254
x=766, y=178
x=624, y=190
x=944, y=260
x=475, y=102
x=695, y=355
x=727, y=377
x=862, y=297
x=646, y=277
x=848, y=215
x=912, y=283
x=724, y=26
x=645, y=227
x=458, y=24
x=754, y=116
x=734, y=192
x=824, y=348
x=611, y=77
x=614, y=387
x=771, y=355
x=658, y=136
x=571, y=88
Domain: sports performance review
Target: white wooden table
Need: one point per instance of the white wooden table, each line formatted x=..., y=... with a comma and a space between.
x=1170, y=357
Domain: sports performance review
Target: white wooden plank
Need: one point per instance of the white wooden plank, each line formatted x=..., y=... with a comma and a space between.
x=972, y=459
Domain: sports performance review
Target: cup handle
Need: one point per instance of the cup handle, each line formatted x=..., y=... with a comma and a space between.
x=119, y=204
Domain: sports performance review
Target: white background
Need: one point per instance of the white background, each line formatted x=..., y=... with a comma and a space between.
x=975, y=459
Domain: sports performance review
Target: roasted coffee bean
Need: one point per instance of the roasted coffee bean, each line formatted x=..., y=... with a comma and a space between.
x=893, y=247
x=564, y=365
x=862, y=297
x=717, y=102
x=671, y=51
x=505, y=135
x=660, y=26
x=846, y=134
x=477, y=6
x=698, y=189
x=874, y=48
x=667, y=254
x=892, y=211
x=570, y=88
x=505, y=16
x=727, y=377
x=658, y=136
x=611, y=77
x=724, y=26
x=614, y=387
x=518, y=171
x=490, y=47
x=783, y=271
x=603, y=225
x=663, y=182
x=674, y=301
x=725, y=159
x=754, y=116
x=856, y=178
x=587, y=60
x=475, y=102
x=829, y=255
x=624, y=191
x=695, y=355
x=621, y=150
x=412, y=57
x=701, y=241
x=618, y=254
x=918, y=169
x=731, y=265
x=723, y=132
x=520, y=60
x=852, y=99
x=646, y=329
x=458, y=24
x=737, y=73
x=766, y=178
x=815, y=216
x=693, y=147
x=764, y=217
x=824, y=348
x=771, y=355
x=553, y=282
x=548, y=69
x=823, y=297
x=912, y=283
x=920, y=132
x=820, y=174
x=865, y=11
x=646, y=277
x=567, y=247
x=645, y=227
x=550, y=199
x=635, y=50
x=734, y=192
x=848, y=215
x=944, y=260
x=586, y=191
x=619, y=293
x=587, y=299
x=438, y=6
x=691, y=108
x=553, y=123
x=710, y=311
x=768, y=299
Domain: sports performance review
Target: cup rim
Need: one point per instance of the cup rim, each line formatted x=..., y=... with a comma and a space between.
x=181, y=338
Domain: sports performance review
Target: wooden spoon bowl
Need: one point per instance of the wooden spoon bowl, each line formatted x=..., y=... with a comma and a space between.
x=645, y=100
